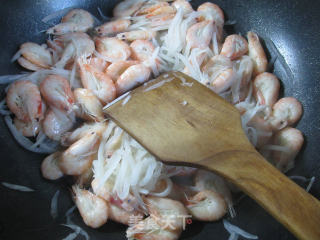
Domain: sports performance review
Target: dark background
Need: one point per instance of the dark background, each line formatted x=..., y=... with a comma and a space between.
x=293, y=27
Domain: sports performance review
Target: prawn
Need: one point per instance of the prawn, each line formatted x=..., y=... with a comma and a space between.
x=212, y=12
x=56, y=123
x=115, y=69
x=285, y=112
x=266, y=87
x=113, y=49
x=234, y=47
x=161, y=11
x=49, y=167
x=205, y=180
x=264, y=129
x=71, y=137
x=93, y=209
x=79, y=156
x=257, y=54
x=24, y=100
x=149, y=8
x=200, y=34
x=34, y=56
x=127, y=8
x=292, y=139
x=164, y=207
x=207, y=205
x=184, y=5
x=131, y=77
x=85, y=178
x=28, y=129
x=120, y=215
x=142, y=50
x=57, y=92
x=98, y=63
x=27, y=64
x=98, y=82
x=149, y=229
x=220, y=73
x=90, y=106
x=77, y=20
x=110, y=28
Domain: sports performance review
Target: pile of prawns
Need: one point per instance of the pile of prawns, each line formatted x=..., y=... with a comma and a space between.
x=115, y=59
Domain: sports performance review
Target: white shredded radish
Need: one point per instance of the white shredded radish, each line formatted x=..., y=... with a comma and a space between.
x=124, y=102
x=17, y=187
x=234, y=230
x=166, y=191
x=25, y=142
x=129, y=167
x=16, y=55
x=117, y=100
x=104, y=17
x=310, y=183
x=230, y=22
x=185, y=83
x=78, y=230
x=5, y=79
x=158, y=84
x=69, y=213
x=184, y=103
x=276, y=148
x=73, y=235
x=57, y=14
x=304, y=179
x=54, y=205
x=3, y=108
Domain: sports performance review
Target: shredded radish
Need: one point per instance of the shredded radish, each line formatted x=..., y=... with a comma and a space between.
x=17, y=187
x=54, y=205
x=185, y=83
x=16, y=55
x=276, y=148
x=129, y=167
x=104, y=17
x=77, y=230
x=158, y=84
x=25, y=142
x=184, y=103
x=236, y=231
x=304, y=179
x=124, y=102
x=68, y=214
x=117, y=100
x=310, y=183
x=5, y=79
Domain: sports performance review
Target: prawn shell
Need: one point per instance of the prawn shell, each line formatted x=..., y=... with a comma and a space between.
x=79, y=156
x=113, y=48
x=25, y=94
x=257, y=54
x=49, y=167
x=63, y=98
x=36, y=54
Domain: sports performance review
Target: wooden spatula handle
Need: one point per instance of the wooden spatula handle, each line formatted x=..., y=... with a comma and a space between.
x=286, y=201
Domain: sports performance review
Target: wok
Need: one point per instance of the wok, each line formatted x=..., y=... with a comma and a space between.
x=292, y=26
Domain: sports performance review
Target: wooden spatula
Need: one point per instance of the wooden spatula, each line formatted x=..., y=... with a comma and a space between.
x=183, y=122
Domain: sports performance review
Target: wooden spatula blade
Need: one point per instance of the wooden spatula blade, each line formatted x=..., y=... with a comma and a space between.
x=178, y=119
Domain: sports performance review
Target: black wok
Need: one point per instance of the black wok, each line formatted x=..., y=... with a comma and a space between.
x=290, y=24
